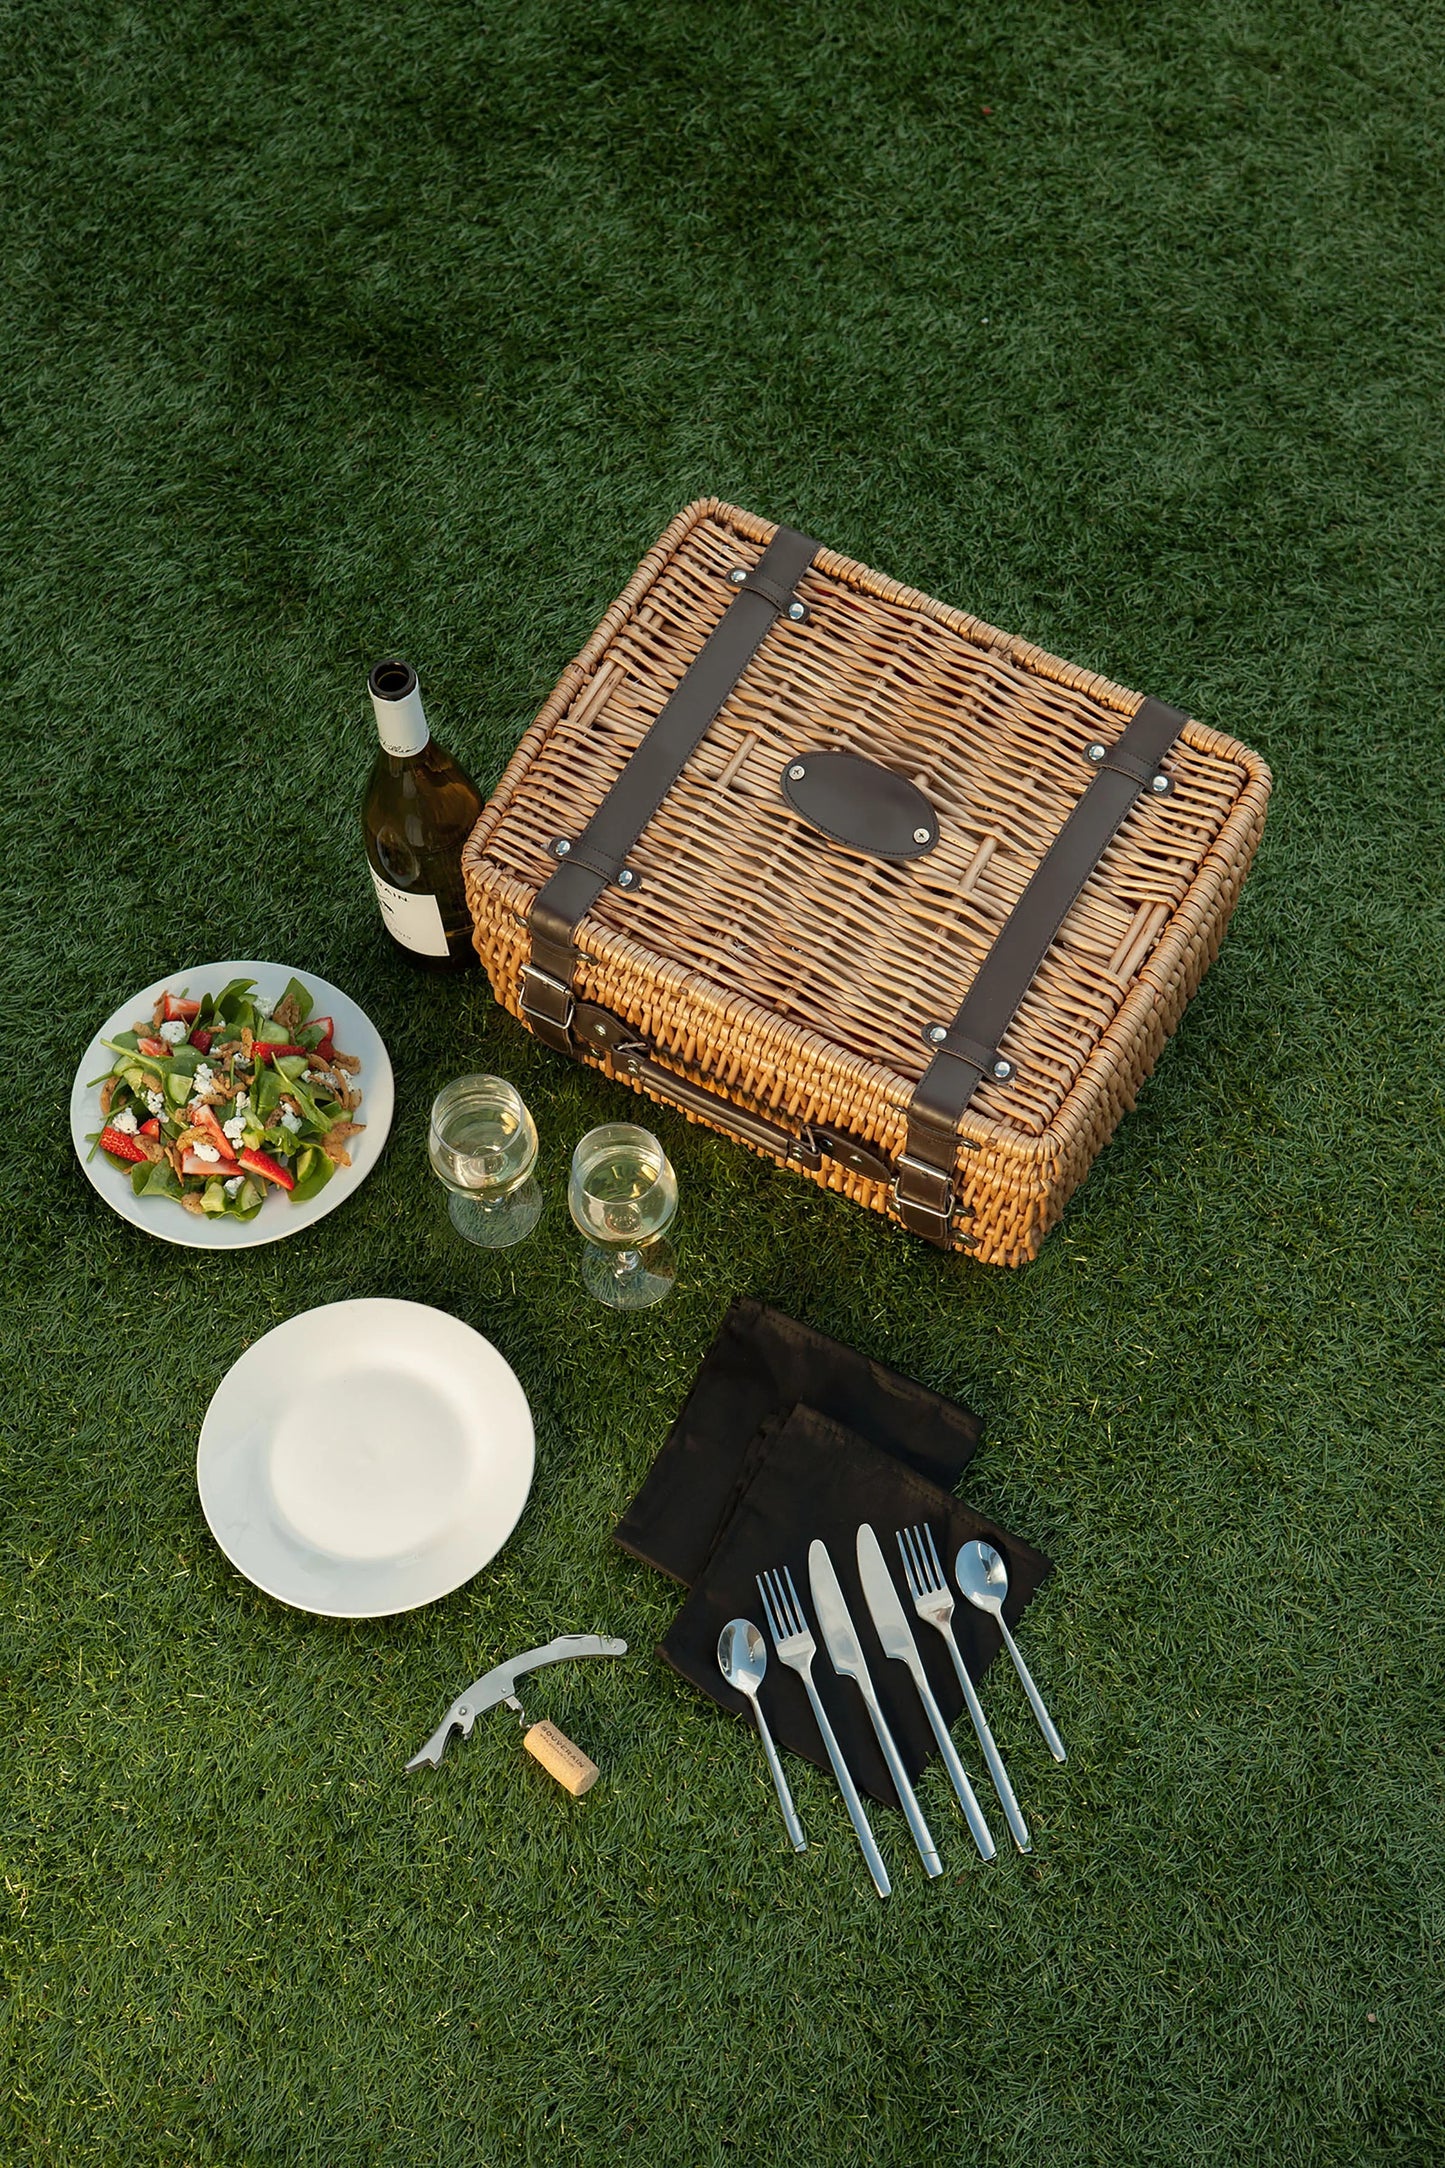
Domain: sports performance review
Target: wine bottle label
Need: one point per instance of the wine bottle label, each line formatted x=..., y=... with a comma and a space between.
x=415, y=921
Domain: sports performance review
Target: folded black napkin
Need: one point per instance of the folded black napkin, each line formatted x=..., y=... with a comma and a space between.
x=724, y=1503
x=760, y=1367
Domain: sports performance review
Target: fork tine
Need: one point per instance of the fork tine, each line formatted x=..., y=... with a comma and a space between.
x=768, y=1612
x=780, y=1603
x=800, y=1623
x=906, y=1554
x=939, y=1580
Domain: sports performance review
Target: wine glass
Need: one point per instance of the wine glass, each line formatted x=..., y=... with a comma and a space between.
x=483, y=1146
x=622, y=1197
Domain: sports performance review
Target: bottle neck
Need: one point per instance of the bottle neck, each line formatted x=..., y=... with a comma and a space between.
x=401, y=724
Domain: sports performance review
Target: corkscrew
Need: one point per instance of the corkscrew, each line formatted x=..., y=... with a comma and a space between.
x=575, y=1771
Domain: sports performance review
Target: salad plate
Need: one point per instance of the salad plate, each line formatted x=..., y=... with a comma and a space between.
x=269, y=1217
x=365, y=1457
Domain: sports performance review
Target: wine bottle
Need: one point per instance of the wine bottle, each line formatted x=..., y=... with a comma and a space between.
x=418, y=811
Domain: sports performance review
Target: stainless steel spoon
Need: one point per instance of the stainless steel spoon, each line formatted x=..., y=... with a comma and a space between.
x=742, y=1658
x=983, y=1577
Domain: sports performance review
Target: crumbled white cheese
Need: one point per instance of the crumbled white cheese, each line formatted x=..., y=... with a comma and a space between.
x=289, y=1121
x=243, y=1100
x=234, y=1184
x=125, y=1122
x=206, y=1151
x=174, y=1032
x=261, y=1005
x=204, y=1078
x=156, y=1101
x=235, y=1128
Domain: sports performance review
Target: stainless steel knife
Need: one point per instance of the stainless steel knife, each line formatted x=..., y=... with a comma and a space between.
x=895, y=1637
x=556, y=1752
x=840, y=1638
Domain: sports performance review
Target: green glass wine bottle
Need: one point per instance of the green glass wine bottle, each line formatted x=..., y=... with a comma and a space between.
x=418, y=811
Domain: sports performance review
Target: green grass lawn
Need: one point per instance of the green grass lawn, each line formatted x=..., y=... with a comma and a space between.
x=333, y=331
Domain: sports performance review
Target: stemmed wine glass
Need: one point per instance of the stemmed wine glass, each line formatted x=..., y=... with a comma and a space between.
x=622, y=1196
x=483, y=1146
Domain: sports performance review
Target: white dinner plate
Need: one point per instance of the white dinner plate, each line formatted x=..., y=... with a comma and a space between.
x=365, y=1458
x=163, y=1216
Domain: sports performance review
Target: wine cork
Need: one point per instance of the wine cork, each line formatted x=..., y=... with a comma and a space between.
x=567, y=1763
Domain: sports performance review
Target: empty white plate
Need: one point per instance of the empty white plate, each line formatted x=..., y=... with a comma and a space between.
x=365, y=1458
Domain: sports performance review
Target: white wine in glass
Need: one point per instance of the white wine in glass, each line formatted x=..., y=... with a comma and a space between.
x=623, y=1196
x=482, y=1144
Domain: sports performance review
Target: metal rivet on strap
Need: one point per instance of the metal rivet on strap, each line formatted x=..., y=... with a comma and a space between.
x=1161, y=785
x=797, y=612
x=1095, y=752
x=738, y=574
x=935, y=1034
x=1003, y=1070
x=922, y=835
x=561, y=847
x=796, y=772
x=627, y=878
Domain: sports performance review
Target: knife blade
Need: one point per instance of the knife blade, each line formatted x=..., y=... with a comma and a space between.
x=840, y=1638
x=895, y=1638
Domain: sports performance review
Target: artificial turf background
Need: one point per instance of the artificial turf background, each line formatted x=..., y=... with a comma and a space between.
x=328, y=332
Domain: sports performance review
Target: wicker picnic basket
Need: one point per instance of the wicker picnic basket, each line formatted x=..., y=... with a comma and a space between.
x=846, y=874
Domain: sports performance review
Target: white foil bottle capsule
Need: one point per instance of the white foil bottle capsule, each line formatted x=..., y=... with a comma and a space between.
x=396, y=696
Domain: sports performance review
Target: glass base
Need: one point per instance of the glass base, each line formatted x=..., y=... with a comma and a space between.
x=629, y=1279
x=496, y=1223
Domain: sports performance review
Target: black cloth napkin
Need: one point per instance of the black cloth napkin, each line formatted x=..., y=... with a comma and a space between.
x=760, y=1367
x=754, y=1469
x=813, y=1477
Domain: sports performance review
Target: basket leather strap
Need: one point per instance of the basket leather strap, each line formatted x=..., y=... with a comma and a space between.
x=924, y=1192
x=600, y=852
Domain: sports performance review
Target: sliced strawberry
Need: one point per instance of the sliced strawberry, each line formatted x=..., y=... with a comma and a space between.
x=201, y=1040
x=121, y=1145
x=156, y=1048
x=181, y=1012
x=204, y=1117
x=326, y=1051
x=152, y=1128
x=191, y=1164
x=262, y=1052
x=262, y=1163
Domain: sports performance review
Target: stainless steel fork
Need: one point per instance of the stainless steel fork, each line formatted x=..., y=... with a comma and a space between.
x=796, y=1648
x=933, y=1601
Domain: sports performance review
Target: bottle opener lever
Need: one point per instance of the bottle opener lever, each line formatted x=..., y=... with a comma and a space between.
x=574, y=1771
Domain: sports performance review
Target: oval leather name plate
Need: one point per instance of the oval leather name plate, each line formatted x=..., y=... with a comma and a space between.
x=857, y=802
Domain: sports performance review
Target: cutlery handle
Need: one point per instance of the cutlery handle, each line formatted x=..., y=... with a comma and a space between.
x=1052, y=1740
x=780, y=1782
x=1018, y=1827
x=922, y=1836
x=849, y=1790
x=958, y=1775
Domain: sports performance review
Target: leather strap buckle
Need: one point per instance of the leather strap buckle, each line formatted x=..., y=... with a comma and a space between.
x=922, y=1192
x=548, y=1007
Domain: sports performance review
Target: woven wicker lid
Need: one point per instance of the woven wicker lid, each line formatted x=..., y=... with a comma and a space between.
x=853, y=954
